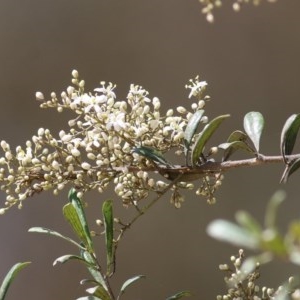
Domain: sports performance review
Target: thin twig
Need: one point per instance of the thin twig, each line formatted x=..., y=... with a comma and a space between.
x=146, y=207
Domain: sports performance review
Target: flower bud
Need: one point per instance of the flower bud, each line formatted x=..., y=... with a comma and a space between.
x=39, y=96
x=82, y=83
x=85, y=166
x=75, y=73
x=181, y=109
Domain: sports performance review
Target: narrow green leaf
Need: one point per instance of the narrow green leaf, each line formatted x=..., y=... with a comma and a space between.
x=107, y=211
x=231, y=233
x=272, y=209
x=190, y=131
x=128, y=282
x=289, y=134
x=64, y=258
x=75, y=215
x=253, y=125
x=100, y=292
x=180, y=295
x=248, y=222
x=8, y=279
x=70, y=214
x=151, y=154
x=204, y=136
x=93, y=268
x=89, y=298
x=88, y=281
x=54, y=233
x=290, y=169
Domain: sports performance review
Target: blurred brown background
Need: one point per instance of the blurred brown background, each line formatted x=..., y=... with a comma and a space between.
x=251, y=62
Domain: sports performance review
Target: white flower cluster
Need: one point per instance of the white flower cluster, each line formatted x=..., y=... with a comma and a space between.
x=209, y=6
x=98, y=148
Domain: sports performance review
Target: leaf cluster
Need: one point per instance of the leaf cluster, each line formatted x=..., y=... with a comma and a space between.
x=266, y=239
x=99, y=283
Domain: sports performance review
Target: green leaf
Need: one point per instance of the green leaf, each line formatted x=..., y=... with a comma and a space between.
x=250, y=264
x=75, y=215
x=293, y=238
x=289, y=134
x=231, y=233
x=100, y=292
x=294, y=257
x=129, y=282
x=273, y=242
x=190, y=131
x=88, y=281
x=151, y=154
x=230, y=148
x=64, y=258
x=180, y=295
x=8, y=279
x=253, y=125
x=290, y=169
x=236, y=141
x=237, y=135
x=107, y=212
x=93, y=268
x=72, y=217
x=248, y=222
x=271, y=238
x=89, y=298
x=54, y=233
x=204, y=136
x=272, y=209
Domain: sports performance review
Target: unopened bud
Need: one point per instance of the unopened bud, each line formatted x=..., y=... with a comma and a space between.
x=39, y=96
x=75, y=73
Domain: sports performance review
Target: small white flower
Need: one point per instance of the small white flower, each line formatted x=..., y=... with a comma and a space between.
x=116, y=121
x=107, y=91
x=89, y=102
x=197, y=88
